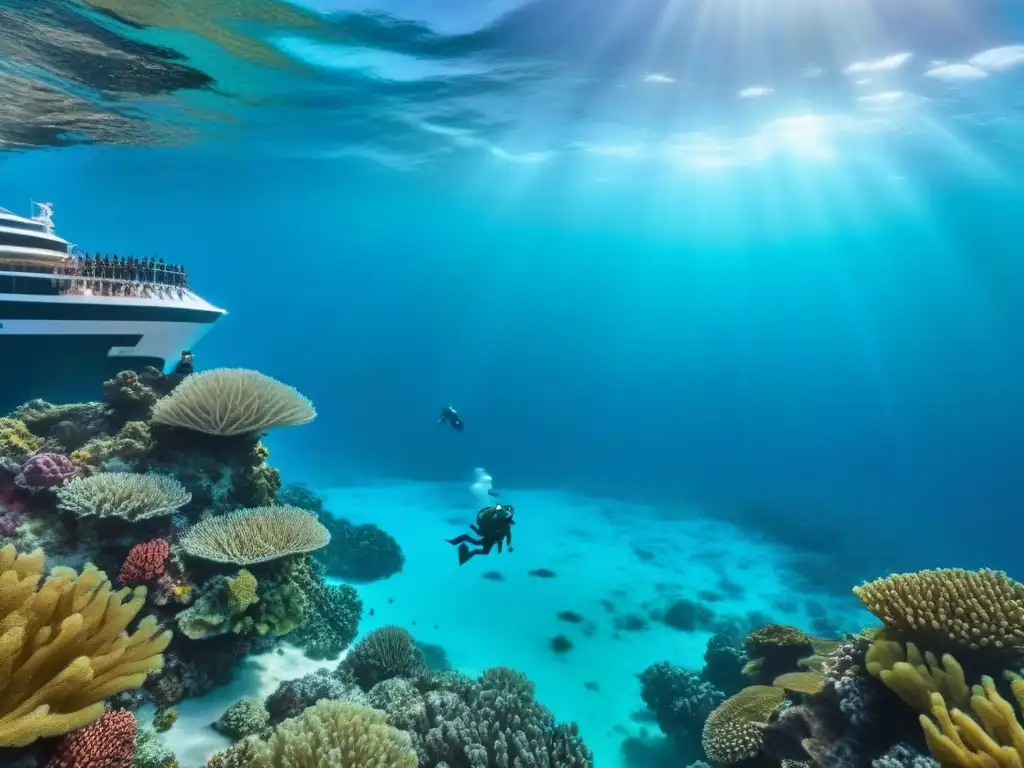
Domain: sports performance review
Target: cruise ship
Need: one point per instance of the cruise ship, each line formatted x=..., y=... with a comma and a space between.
x=65, y=329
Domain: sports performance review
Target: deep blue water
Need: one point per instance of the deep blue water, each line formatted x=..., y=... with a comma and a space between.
x=798, y=309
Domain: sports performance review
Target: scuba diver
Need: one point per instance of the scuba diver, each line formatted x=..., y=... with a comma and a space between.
x=450, y=417
x=493, y=526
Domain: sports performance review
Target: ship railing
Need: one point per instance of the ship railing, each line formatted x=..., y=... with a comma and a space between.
x=84, y=285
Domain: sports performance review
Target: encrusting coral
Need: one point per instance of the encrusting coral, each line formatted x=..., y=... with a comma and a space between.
x=950, y=608
x=63, y=647
x=250, y=536
x=232, y=401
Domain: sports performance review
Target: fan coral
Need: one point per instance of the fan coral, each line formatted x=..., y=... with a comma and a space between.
x=250, y=536
x=145, y=561
x=950, y=607
x=110, y=741
x=46, y=470
x=123, y=495
x=384, y=653
x=331, y=733
x=72, y=627
x=733, y=731
x=232, y=401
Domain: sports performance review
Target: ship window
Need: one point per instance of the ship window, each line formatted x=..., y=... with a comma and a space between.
x=28, y=286
x=31, y=241
x=32, y=226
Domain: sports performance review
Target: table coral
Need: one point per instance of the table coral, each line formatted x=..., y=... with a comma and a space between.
x=250, y=536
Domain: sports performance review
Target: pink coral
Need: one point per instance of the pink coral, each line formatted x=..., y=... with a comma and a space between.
x=145, y=561
x=107, y=743
x=46, y=470
x=11, y=499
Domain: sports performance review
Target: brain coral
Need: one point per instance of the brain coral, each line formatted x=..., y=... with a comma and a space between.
x=123, y=494
x=232, y=401
x=249, y=536
x=732, y=731
x=950, y=607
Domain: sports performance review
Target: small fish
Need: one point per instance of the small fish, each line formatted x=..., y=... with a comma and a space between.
x=371, y=611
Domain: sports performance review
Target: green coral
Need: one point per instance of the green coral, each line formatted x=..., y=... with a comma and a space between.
x=209, y=615
x=151, y=752
x=246, y=717
x=133, y=443
x=16, y=441
x=242, y=592
x=281, y=608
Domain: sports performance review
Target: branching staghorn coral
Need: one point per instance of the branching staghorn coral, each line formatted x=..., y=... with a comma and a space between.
x=63, y=647
x=258, y=535
x=123, y=495
x=232, y=401
x=330, y=734
x=950, y=608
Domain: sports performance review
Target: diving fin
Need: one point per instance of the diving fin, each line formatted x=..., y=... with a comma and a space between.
x=464, y=554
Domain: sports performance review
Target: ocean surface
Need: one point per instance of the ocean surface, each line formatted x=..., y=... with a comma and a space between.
x=725, y=291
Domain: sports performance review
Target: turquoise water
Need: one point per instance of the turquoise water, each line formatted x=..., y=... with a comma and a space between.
x=736, y=284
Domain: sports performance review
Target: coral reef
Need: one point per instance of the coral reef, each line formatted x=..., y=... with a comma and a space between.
x=359, y=553
x=123, y=495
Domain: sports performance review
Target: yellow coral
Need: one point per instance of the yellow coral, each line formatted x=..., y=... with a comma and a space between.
x=957, y=741
x=950, y=606
x=16, y=440
x=133, y=442
x=241, y=591
x=733, y=730
x=63, y=647
x=250, y=536
x=914, y=677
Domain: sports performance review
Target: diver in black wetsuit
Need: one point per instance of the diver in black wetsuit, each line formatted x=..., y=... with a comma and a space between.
x=493, y=526
x=450, y=417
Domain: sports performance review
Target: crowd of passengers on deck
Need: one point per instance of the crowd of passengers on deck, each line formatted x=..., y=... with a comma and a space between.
x=120, y=276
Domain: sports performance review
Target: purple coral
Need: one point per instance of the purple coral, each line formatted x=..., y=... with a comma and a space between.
x=45, y=470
